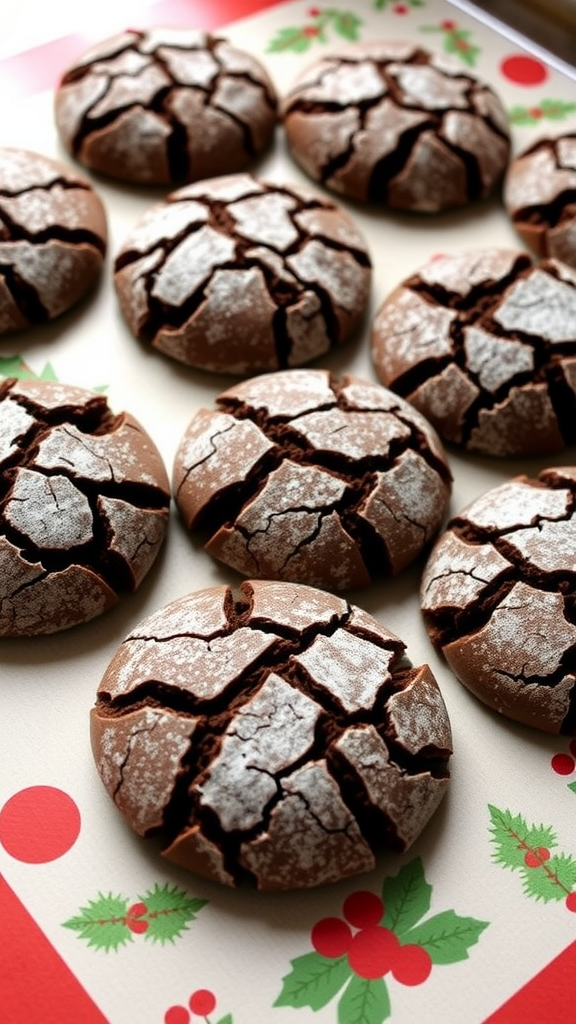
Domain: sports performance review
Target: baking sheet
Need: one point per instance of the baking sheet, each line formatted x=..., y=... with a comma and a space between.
x=245, y=948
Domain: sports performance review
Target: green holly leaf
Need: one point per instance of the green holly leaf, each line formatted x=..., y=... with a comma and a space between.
x=168, y=911
x=346, y=24
x=289, y=39
x=313, y=981
x=446, y=936
x=572, y=786
x=226, y=1019
x=553, y=880
x=14, y=366
x=102, y=924
x=406, y=897
x=364, y=1002
x=557, y=110
x=457, y=42
x=513, y=837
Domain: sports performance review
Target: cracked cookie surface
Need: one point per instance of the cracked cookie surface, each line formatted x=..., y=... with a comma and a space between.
x=237, y=275
x=165, y=106
x=84, y=503
x=540, y=197
x=498, y=596
x=300, y=476
x=390, y=122
x=53, y=238
x=277, y=735
x=483, y=343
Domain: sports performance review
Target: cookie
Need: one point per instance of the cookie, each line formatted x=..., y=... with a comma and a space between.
x=237, y=275
x=276, y=735
x=53, y=238
x=165, y=106
x=391, y=123
x=540, y=197
x=304, y=477
x=84, y=502
x=483, y=343
x=498, y=597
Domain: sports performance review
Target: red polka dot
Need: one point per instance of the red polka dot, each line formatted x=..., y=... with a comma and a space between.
x=524, y=70
x=563, y=764
x=39, y=824
x=177, y=1015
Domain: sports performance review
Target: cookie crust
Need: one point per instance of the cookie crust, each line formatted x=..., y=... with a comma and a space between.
x=165, y=106
x=389, y=122
x=84, y=504
x=277, y=735
x=498, y=598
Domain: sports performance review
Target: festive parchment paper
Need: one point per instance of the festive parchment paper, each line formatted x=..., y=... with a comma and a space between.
x=493, y=918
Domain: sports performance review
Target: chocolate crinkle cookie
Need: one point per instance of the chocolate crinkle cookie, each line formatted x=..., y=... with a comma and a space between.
x=53, y=238
x=540, y=196
x=499, y=599
x=84, y=502
x=164, y=106
x=389, y=122
x=237, y=275
x=300, y=476
x=483, y=343
x=277, y=735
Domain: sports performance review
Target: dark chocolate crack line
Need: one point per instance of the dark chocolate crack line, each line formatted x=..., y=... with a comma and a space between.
x=84, y=505
x=498, y=596
x=483, y=343
x=238, y=275
x=389, y=122
x=276, y=734
x=300, y=476
x=165, y=106
x=53, y=238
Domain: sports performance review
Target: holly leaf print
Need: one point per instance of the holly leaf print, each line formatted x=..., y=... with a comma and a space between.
x=552, y=880
x=364, y=1002
x=513, y=837
x=313, y=981
x=406, y=897
x=346, y=24
x=168, y=911
x=446, y=937
x=102, y=924
x=289, y=39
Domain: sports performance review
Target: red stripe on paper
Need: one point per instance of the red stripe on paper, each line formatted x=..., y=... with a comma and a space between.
x=41, y=67
x=35, y=983
x=548, y=998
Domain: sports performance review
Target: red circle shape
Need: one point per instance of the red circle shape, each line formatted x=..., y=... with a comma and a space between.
x=39, y=824
x=372, y=952
x=563, y=764
x=524, y=70
x=177, y=1015
x=412, y=966
x=331, y=937
x=363, y=909
x=202, y=1002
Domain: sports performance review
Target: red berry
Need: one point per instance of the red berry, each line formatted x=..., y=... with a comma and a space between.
x=535, y=858
x=137, y=910
x=400, y=9
x=331, y=937
x=563, y=764
x=314, y=12
x=571, y=901
x=412, y=965
x=177, y=1015
x=448, y=26
x=202, y=1002
x=363, y=909
x=372, y=952
x=310, y=30
x=137, y=925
